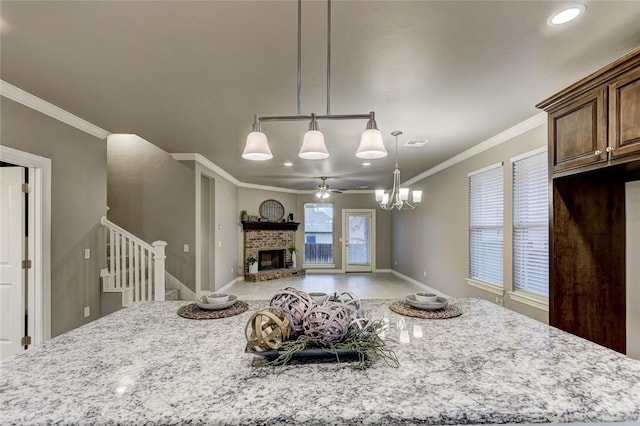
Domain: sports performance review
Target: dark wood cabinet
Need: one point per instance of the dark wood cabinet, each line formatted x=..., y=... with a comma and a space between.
x=624, y=115
x=594, y=149
x=579, y=132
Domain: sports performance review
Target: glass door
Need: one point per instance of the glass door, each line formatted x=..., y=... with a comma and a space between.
x=358, y=241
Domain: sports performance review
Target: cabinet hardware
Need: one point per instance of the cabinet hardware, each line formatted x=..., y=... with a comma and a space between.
x=610, y=149
x=597, y=152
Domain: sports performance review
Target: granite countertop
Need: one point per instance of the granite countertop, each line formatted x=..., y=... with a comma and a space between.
x=145, y=364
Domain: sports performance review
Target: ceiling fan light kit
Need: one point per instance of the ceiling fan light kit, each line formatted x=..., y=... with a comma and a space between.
x=398, y=197
x=313, y=145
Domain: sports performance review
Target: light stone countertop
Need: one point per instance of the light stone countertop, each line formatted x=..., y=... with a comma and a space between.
x=145, y=364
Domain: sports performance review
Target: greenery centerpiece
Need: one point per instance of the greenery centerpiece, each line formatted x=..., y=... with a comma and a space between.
x=294, y=324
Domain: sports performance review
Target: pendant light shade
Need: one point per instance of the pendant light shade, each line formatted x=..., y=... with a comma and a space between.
x=257, y=146
x=371, y=144
x=313, y=147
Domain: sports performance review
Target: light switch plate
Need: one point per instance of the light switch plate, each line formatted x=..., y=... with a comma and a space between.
x=87, y=311
x=186, y=248
x=87, y=253
x=219, y=243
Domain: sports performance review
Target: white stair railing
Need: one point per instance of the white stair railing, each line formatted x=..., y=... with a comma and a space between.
x=134, y=264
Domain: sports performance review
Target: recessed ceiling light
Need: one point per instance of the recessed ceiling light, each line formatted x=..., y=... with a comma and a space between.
x=566, y=15
x=363, y=187
x=366, y=164
x=288, y=164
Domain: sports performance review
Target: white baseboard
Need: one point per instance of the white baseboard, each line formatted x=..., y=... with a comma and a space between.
x=171, y=282
x=382, y=271
x=419, y=284
x=229, y=284
x=325, y=271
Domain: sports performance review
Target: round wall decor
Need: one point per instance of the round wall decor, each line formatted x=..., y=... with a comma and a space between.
x=271, y=210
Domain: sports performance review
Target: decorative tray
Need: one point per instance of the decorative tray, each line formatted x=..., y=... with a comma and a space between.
x=305, y=353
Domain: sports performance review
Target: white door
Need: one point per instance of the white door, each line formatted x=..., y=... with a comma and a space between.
x=12, y=285
x=358, y=227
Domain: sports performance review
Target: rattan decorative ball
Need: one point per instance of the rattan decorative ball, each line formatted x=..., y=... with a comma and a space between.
x=294, y=304
x=328, y=322
x=352, y=303
x=267, y=329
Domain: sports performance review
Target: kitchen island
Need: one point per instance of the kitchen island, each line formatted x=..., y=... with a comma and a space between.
x=145, y=364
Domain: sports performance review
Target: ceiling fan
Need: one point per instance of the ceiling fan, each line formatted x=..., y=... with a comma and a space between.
x=324, y=190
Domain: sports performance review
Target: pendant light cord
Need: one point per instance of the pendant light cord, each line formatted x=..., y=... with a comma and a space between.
x=299, y=51
x=328, y=57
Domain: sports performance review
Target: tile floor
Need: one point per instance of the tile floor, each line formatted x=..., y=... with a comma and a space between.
x=365, y=286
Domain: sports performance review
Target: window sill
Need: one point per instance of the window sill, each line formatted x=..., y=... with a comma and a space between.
x=318, y=266
x=539, y=302
x=491, y=288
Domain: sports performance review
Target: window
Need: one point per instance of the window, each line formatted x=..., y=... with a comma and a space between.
x=486, y=212
x=318, y=233
x=531, y=224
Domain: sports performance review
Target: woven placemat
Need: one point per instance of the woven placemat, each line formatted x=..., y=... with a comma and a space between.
x=403, y=308
x=192, y=311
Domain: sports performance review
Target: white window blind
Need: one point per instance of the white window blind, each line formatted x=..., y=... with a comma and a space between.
x=531, y=224
x=486, y=222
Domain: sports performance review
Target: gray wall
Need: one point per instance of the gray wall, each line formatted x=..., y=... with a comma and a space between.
x=78, y=200
x=433, y=238
x=224, y=228
x=153, y=196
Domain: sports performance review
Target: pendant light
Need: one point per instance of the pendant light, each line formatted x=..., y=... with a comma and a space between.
x=313, y=145
x=257, y=147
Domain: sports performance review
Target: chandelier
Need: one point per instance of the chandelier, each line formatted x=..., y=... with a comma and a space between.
x=313, y=145
x=398, y=198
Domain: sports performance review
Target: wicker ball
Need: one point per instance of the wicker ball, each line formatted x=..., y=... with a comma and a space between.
x=294, y=304
x=267, y=329
x=352, y=303
x=328, y=322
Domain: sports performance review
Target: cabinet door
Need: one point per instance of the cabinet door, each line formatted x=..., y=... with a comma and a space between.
x=578, y=133
x=624, y=115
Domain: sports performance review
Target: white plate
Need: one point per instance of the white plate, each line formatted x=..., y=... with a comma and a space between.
x=427, y=306
x=202, y=303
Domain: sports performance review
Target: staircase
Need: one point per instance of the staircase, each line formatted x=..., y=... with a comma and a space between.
x=135, y=268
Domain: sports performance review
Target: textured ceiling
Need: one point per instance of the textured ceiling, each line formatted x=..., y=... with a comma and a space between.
x=189, y=76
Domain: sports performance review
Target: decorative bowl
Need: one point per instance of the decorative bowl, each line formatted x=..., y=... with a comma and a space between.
x=319, y=297
x=217, y=298
x=426, y=297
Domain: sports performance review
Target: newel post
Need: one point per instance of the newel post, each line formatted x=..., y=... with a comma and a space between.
x=158, y=270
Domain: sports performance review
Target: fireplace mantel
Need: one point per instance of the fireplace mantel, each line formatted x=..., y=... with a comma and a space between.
x=270, y=226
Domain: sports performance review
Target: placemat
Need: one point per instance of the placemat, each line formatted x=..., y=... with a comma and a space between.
x=192, y=311
x=403, y=308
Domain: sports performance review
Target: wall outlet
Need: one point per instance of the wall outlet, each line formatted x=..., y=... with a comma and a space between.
x=185, y=248
x=395, y=262
x=231, y=271
x=219, y=243
x=87, y=311
x=87, y=253
x=424, y=273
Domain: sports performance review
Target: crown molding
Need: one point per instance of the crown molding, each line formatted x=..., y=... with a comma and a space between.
x=502, y=137
x=16, y=94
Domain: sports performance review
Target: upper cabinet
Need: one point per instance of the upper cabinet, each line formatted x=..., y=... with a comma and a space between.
x=624, y=115
x=596, y=122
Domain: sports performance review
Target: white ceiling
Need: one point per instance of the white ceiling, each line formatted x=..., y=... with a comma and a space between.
x=189, y=76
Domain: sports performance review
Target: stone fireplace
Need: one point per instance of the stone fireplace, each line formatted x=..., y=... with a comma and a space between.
x=269, y=243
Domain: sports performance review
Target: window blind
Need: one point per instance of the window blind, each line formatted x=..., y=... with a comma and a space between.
x=486, y=219
x=531, y=224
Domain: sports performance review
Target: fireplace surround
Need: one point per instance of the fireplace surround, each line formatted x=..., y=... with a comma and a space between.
x=269, y=242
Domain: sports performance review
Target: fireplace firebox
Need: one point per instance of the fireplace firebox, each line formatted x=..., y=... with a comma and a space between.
x=270, y=259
